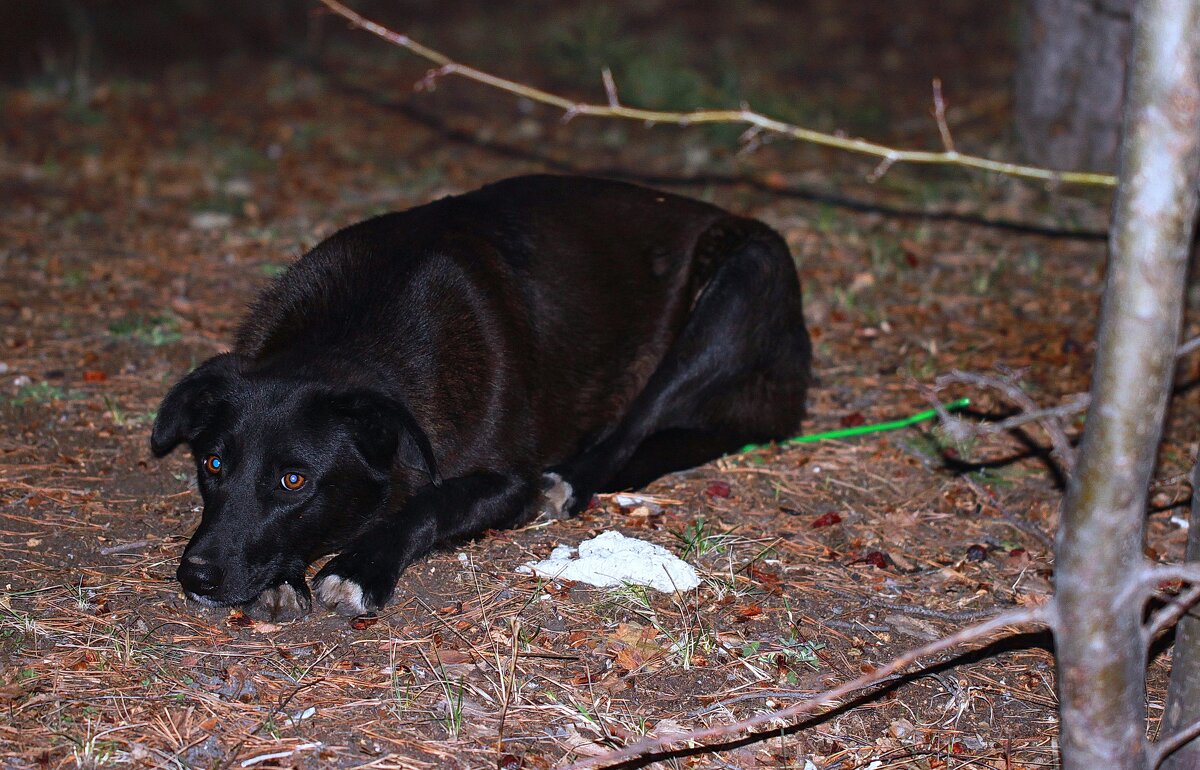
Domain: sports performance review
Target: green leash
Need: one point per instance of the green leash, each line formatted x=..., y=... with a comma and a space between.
x=859, y=430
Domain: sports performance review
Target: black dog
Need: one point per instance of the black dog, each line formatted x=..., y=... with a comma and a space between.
x=423, y=376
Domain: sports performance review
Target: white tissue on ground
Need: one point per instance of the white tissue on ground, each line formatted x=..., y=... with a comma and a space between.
x=611, y=559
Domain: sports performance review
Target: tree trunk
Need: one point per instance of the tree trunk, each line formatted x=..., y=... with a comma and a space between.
x=1101, y=652
x=1069, y=86
x=1183, y=693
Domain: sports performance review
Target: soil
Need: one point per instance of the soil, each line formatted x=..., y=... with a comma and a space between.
x=141, y=215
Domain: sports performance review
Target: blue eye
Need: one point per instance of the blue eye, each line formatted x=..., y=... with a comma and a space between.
x=213, y=464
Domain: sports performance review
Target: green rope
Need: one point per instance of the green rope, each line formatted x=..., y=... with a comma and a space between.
x=859, y=430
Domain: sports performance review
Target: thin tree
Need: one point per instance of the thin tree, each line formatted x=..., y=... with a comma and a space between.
x=1102, y=577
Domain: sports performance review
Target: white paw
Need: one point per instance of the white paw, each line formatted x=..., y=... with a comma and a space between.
x=343, y=596
x=281, y=603
x=557, y=496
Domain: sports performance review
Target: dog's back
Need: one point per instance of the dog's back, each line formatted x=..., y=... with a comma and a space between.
x=570, y=289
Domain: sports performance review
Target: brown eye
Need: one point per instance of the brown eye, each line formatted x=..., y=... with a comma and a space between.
x=292, y=481
x=213, y=464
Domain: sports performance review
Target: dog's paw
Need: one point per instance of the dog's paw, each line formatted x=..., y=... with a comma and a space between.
x=343, y=596
x=558, y=497
x=280, y=604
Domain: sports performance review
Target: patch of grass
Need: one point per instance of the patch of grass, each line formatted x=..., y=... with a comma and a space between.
x=851, y=302
x=121, y=418
x=75, y=278
x=84, y=115
x=221, y=203
x=153, y=330
x=238, y=159
x=790, y=651
x=886, y=255
x=42, y=393
x=91, y=750
x=634, y=596
x=923, y=369
x=699, y=539
x=453, y=718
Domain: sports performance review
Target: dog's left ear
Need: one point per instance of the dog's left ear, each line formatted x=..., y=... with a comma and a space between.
x=385, y=431
x=182, y=411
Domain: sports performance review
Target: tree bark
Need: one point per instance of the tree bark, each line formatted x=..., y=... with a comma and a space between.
x=1100, y=566
x=1069, y=85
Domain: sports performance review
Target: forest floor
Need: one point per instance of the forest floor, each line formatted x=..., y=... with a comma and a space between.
x=141, y=214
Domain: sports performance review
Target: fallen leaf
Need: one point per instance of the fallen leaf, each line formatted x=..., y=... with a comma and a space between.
x=853, y=420
x=238, y=619
x=718, y=489
x=768, y=581
x=877, y=559
x=749, y=612
x=914, y=627
x=826, y=520
x=633, y=646
x=450, y=657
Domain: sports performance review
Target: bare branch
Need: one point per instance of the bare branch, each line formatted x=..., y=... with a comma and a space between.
x=1037, y=615
x=1159, y=750
x=1176, y=608
x=939, y=114
x=1050, y=419
x=744, y=116
x=1188, y=347
x=1187, y=572
x=610, y=87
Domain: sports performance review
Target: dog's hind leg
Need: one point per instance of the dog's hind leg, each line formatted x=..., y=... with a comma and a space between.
x=363, y=576
x=738, y=373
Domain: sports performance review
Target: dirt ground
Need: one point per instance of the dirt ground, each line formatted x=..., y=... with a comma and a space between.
x=141, y=213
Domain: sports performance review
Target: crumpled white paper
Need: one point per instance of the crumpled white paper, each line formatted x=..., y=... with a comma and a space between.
x=611, y=559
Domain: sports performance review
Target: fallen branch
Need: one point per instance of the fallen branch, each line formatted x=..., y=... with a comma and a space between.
x=1051, y=420
x=908, y=609
x=829, y=698
x=613, y=108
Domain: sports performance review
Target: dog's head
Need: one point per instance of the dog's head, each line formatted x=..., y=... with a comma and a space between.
x=288, y=468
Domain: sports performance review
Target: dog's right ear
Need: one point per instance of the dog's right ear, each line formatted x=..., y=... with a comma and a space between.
x=181, y=414
x=385, y=431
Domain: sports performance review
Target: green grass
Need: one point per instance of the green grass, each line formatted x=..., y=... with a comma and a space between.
x=699, y=539
x=152, y=330
x=42, y=393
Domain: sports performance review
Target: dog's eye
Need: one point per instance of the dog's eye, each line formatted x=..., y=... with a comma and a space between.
x=213, y=464
x=292, y=481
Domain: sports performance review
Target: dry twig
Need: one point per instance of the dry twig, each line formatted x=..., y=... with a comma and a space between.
x=614, y=109
x=1036, y=615
x=1051, y=419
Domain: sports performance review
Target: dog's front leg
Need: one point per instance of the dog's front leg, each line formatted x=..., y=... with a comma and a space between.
x=362, y=577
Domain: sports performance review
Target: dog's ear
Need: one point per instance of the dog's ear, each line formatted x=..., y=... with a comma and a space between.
x=385, y=431
x=181, y=414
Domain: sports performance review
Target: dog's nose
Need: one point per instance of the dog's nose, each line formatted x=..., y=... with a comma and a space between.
x=199, y=576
